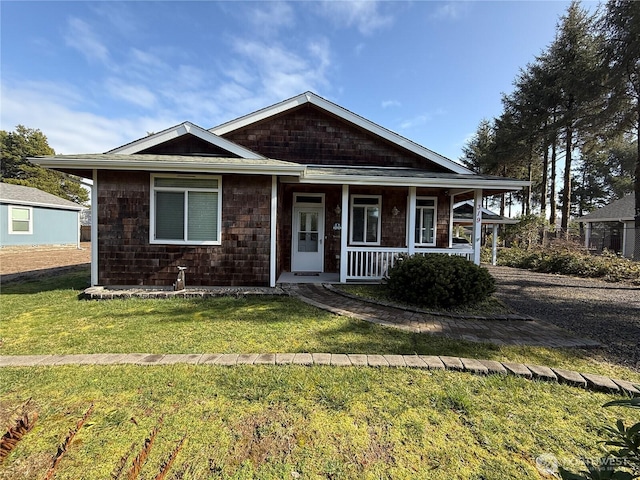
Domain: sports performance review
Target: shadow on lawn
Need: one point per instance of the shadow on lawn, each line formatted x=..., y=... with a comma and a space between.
x=74, y=277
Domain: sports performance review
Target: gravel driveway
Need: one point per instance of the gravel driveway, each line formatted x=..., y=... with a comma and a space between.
x=607, y=312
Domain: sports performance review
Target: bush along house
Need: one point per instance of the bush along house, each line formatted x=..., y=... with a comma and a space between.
x=304, y=187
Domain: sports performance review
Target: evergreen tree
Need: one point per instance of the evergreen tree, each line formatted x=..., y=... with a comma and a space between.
x=575, y=60
x=25, y=142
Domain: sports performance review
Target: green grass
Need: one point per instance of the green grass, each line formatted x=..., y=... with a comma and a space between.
x=46, y=317
x=278, y=422
x=273, y=422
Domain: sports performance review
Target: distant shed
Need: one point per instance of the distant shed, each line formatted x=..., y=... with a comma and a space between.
x=31, y=217
x=612, y=227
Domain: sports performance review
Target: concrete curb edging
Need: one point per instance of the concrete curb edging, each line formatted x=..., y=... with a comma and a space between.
x=432, y=362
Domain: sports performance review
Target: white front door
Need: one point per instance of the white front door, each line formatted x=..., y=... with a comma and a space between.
x=308, y=239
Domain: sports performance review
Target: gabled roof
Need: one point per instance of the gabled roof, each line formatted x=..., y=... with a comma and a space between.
x=463, y=213
x=616, y=211
x=179, y=130
x=29, y=196
x=346, y=115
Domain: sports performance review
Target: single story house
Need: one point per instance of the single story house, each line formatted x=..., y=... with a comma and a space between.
x=31, y=217
x=304, y=187
x=612, y=227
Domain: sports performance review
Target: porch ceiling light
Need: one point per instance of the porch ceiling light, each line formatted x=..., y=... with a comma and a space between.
x=395, y=212
x=338, y=210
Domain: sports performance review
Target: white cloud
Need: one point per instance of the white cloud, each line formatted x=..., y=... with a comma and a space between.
x=451, y=10
x=390, y=103
x=270, y=17
x=281, y=72
x=59, y=112
x=82, y=38
x=136, y=94
x=361, y=14
x=420, y=119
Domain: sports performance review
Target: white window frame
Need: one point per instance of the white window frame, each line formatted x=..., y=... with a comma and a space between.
x=351, y=216
x=19, y=232
x=152, y=209
x=419, y=220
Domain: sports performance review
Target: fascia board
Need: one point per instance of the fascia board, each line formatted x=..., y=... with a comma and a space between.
x=152, y=166
x=598, y=220
x=260, y=115
x=387, y=134
x=180, y=130
x=414, y=182
x=346, y=115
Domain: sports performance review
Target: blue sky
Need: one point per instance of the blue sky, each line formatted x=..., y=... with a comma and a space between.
x=95, y=75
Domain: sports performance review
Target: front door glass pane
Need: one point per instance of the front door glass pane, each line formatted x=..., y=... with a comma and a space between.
x=308, y=232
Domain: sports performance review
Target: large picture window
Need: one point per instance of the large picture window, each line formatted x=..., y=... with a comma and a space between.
x=425, y=234
x=365, y=219
x=20, y=220
x=186, y=210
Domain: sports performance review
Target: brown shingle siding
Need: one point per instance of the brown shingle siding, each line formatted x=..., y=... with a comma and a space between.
x=310, y=136
x=126, y=257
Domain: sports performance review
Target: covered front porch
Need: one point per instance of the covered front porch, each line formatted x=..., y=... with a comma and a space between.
x=329, y=233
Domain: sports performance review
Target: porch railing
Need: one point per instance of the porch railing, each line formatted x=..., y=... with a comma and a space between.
x=373, y=263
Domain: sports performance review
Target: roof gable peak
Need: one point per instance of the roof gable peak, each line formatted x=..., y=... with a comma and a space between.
x=346, y=115
x=179, y=130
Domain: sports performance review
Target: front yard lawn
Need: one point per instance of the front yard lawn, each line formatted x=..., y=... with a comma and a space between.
x=277, y=422
x=289, y=422
x=46, y=317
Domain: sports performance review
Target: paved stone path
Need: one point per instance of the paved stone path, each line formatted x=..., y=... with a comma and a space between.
x=479, y=367
x=525, y=331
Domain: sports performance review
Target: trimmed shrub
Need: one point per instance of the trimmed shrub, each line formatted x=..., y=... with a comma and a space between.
x=438, y=280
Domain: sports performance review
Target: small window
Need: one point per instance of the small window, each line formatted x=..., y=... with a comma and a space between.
x=309, y=199
x=426, y=210
x=186, y=210
x=365, y=219
x=20, y=220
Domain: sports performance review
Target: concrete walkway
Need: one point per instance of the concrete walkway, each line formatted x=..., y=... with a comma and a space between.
x=480, y=367
x=501, y=330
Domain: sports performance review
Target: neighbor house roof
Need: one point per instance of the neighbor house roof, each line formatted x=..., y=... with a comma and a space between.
x=346, y=115
x=463, y=213
x=21, y=195
x=616, y=211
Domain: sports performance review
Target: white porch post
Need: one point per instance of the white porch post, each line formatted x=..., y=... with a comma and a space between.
x=494, y=244
x=451, y=221
x=411, y=243
x=477, y=225
x=587, y=235
x=344, y=231
x=274, y=222
x=94, y=229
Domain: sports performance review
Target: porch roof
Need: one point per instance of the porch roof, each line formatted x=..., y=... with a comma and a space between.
x=173, y=163
x=407, y=177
